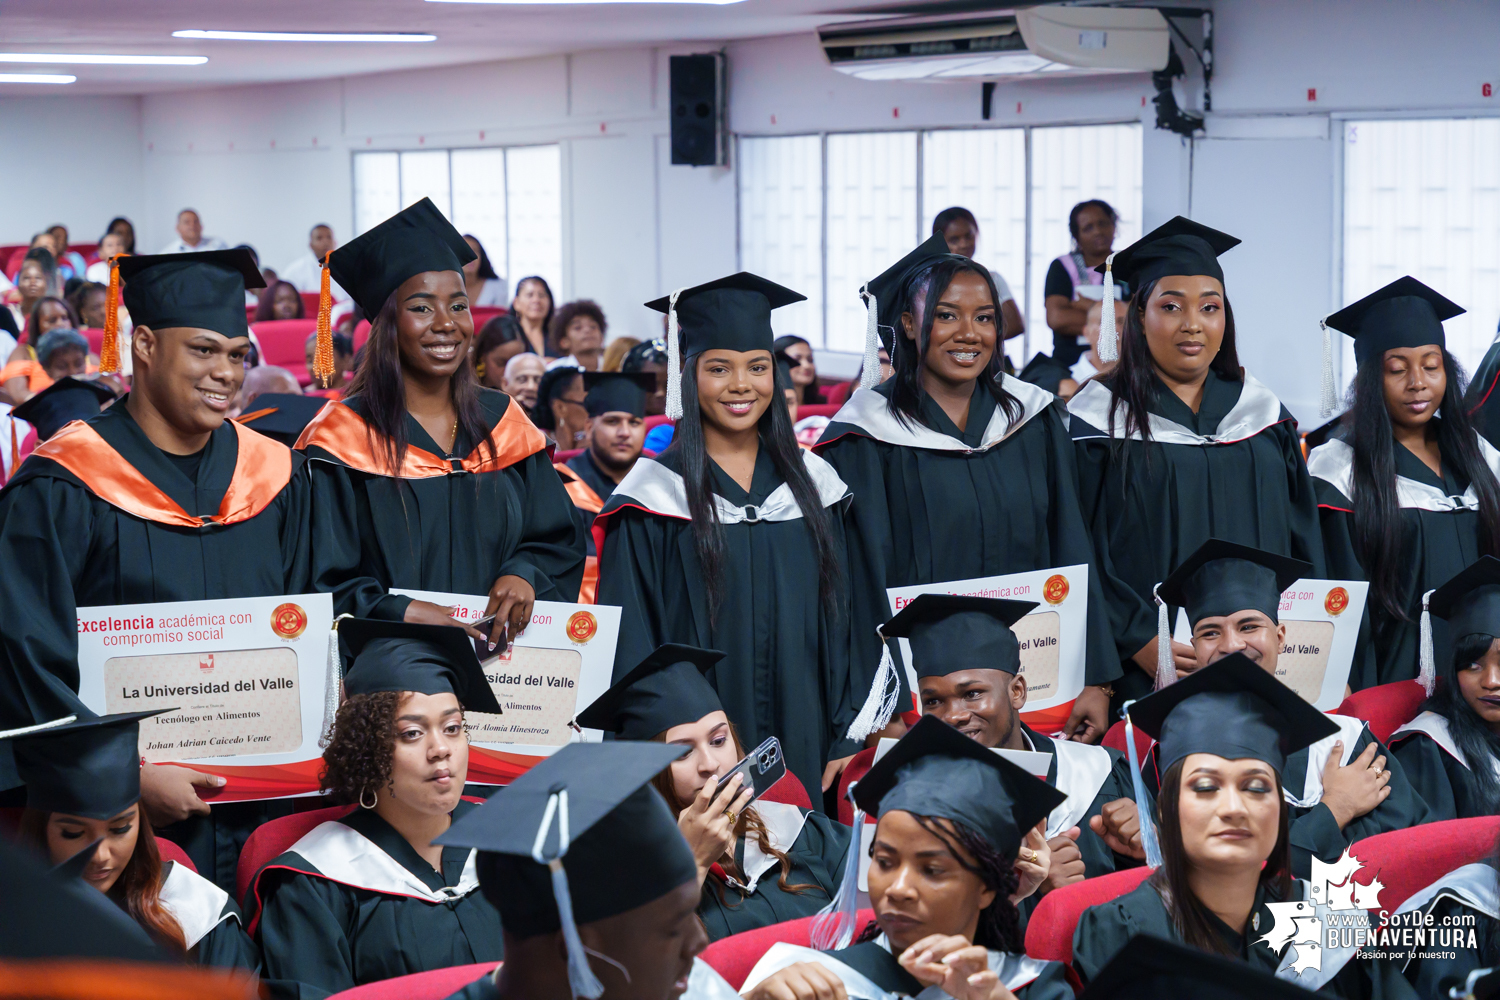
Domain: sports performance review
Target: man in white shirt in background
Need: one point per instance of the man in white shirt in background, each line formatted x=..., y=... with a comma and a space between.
x=190, y=238
x=306, y=272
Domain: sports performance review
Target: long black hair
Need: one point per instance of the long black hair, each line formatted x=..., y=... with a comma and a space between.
x=1473, y=738
x=380, y=384
x=780, y=443
x=486, y=269
x=906, y=382
x=1377, y=525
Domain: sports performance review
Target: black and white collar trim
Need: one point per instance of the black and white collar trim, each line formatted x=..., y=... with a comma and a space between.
x=342, y=854
x=871, y=413
x=195, y=903
x=1257, y=409
x=1333, y=462
x=656, y=488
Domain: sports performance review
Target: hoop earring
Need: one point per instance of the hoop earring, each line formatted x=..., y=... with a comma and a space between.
x=375, y=798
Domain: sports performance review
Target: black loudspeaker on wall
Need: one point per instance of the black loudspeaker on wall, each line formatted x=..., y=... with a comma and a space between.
x=697, y=95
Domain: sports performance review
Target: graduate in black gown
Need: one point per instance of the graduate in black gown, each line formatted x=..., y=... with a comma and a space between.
x=959, y=470
x=83, y=808
x=423, y=480
x=734, y=539
x=62, y=402
x=1463, y=918
x=968, y=666
x=1178, y=443
x=597, y=891
x=1451, y=750
x=758, y=864
x=372, y=895
x=1409, y=498
x=942, y=878
x=158, y=498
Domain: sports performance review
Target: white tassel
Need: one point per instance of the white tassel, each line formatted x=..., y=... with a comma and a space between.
x=1149, y=842
x=1330, y=401
x=581, y=978
x=1108, y=337
x=1427, y=672
x=880, y=704
x=674, y=361
x=66, y=720
x=333, y=683
x=1166, y=665
x=869, y=375
x=833, y=925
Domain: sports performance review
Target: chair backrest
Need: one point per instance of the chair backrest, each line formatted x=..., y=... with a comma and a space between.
x=734, y=956
x=309, y=304
x=276, y=837
x=284, y=342
x=94, y=337
x=1049, y=931
x=817, y=409
x=171, y=852
x=853, y=771
x=790, y=791
x=839, y=394
x=361, y=333
x=1115, y=740
x=1413, y=858
x=655, y=419
x=435, y=984
x=1385, y=708
x=563, y=456
x=483, y=314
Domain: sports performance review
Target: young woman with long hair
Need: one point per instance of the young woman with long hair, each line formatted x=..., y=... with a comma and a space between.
x=758, y=864
x=1178, y=443
x=733, y=538
x=83, y=812
x=960, y=470
x=369, y=896
x=958, y=844
x=421, y=478
x=1410, y=497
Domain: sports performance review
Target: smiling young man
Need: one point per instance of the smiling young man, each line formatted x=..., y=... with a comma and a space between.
x=157, y=498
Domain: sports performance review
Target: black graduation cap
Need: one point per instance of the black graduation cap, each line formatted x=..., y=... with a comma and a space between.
x=1232, y=708
x=1331, y=430
x=1470, y=601
x=1221, y=577
x=935, y=770
x=623, y=848
x=1042, y=371
x=52, y=915
x=282, y=415
x=65, y=400
x=886, y=288
x=89, y=767
x=617, y=392
x=950, y=632
x=1180, y=246
x=1149, y=967
x=405, y=656
x=203, y=290
x=415, y=240
x=1405, y=313
x=665, y=689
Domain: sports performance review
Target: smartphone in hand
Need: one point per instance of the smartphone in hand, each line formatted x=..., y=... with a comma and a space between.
x=759, y=769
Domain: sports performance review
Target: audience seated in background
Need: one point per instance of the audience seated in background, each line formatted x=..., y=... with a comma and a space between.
x=559, y=409
x=343, y=361
x=651, y=357
x=306, y=272
x=61, y=351
x=190, y=238
x=961, y=232
x=615, y=352
x=578, y=332
x=799, y=355
x=498, y=342
x=263, y=379
x=110, y=244
x=40, y=241
x=36, y=278
x=69, y=262
x=123, y=227
x=531, y=312
x=521, y=379
x=23, y=374
x=282, y=302
x=90, y=304
x=486, y=288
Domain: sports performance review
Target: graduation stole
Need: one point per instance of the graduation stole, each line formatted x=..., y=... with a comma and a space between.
x=1257, y=409
x=262, y=469
x=342, y=433
x=584, y=498
x=1333, y=462
x=870, y=413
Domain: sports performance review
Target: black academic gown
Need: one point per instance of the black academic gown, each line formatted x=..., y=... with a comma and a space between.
x=362, y=909
x=588, y=470
x=451, y=523
x=212, y=926
x=934, y=503
x=818, y=845
x=1233, y=471
x=1439, y=538
x=101, y=516
x=1436, y=969
x=788, y=672
x=1438, y=769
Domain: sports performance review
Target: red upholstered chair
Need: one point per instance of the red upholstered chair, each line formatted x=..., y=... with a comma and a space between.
x=1049, y=932
x=1385, y=707
x=563, y=456
x=817, y=409
x=483, y=314
x=733, y=957
x=1411, y=859
x=95, y=339
x=434, y=984
x=839, y=394
x=1115, y=740
x=275, y=838
x=171, y=852
x=250, y=313
x=361, y=333
x=790, y=791
x=284, y=342
x=309, y=304
x=659, y=418
x=853, y=771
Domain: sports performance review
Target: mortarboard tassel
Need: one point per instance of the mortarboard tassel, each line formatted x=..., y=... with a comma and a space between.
x=1427, y=669
x=1166, y=665
x=1149, y=842
x=109, y=349
x=1108, y=335
x=333, y=682
x=674, y=361
x=880, y=705
x=833, y=925
x=869, y=375
x=322, y=369
x=1330, y=401
x=581, y=978
x=66, y=720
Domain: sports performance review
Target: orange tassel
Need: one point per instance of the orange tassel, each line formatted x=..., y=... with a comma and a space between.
x=109, y=350
x=322, y=369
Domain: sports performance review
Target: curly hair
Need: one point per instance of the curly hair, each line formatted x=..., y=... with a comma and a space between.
x=558, y=325
x=359, y=758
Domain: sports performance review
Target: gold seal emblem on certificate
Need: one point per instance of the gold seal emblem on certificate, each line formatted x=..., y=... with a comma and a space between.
x=289, y=621
x=581, y=627
x=1336, y=601
x=1055, y=590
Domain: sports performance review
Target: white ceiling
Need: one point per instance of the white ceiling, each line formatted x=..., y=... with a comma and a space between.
x=466, y=33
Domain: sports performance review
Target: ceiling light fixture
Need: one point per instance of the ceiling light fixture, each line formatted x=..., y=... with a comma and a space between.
x=36, y=78
x=299, y=36
x=83, y=59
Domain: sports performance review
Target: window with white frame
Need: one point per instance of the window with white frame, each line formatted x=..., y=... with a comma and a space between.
x=825, y=213
x=509, y=199
x=1423, y=198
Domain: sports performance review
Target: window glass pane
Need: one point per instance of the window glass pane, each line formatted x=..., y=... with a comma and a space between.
x=479, y=202
x=1069, y=165
x=872, y=222
x=377, y=189
x=424, y=174
x=1423, y=198
x=781, y=224
x=533, y=188
x=983, y=170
